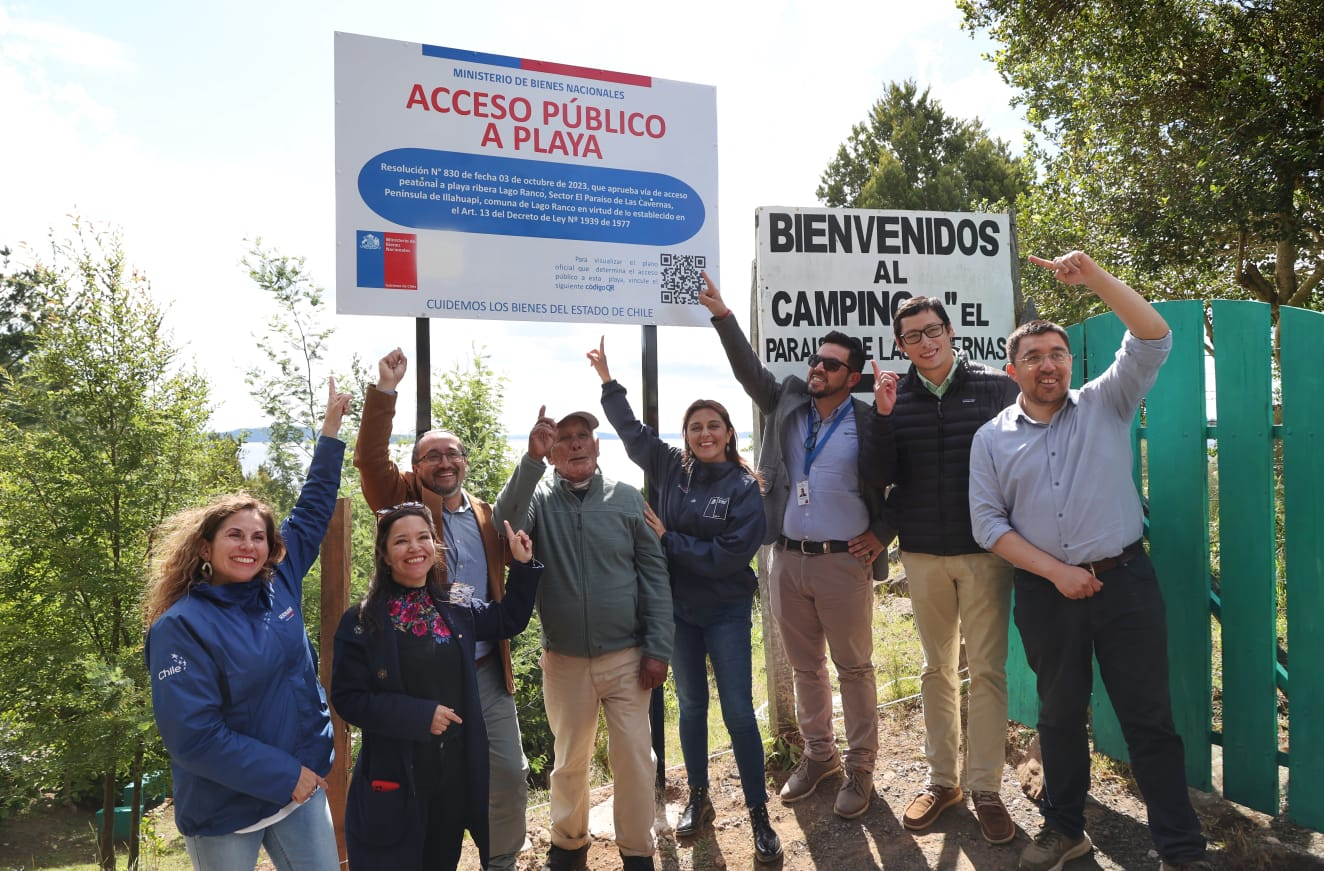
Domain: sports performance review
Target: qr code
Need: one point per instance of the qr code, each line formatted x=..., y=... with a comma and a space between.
x=681, y=281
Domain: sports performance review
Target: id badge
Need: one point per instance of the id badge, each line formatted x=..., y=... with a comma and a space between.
x=802, y=492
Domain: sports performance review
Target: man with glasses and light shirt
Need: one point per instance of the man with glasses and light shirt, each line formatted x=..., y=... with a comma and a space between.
x=476, y=556
x=1051, y=492
x=926, y=421
x=824, y=513
x=607, y=629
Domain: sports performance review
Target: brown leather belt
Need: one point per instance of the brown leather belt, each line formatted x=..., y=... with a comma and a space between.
x=482, y=659
x=813, y=548
x=1107, y=564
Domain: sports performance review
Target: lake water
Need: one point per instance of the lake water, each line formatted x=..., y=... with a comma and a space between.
x=611, y=458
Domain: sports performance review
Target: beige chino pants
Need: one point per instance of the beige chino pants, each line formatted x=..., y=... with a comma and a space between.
x=968, y=595
x=574, y=687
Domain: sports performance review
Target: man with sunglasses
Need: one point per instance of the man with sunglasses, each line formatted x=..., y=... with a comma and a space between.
x=475, y=555
x=926, y=421
x=824, y=516
x=1051, y=492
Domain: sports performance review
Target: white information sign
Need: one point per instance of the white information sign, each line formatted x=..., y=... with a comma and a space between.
x=481, y=186
x=820, y=270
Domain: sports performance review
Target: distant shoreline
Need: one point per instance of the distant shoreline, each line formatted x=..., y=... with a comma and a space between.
x=262, y=435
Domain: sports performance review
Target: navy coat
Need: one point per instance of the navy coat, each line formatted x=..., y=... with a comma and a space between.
x=382, y=829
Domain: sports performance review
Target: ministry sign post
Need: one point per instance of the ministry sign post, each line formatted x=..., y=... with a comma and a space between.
x=483, y=186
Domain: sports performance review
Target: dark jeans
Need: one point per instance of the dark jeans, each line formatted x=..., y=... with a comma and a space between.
x=722, y=635
x=1125, y=627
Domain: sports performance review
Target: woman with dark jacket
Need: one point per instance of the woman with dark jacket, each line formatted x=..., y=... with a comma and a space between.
x=709, y=516
x=404, y=673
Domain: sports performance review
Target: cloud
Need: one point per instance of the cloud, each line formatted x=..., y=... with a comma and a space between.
x=43, y=40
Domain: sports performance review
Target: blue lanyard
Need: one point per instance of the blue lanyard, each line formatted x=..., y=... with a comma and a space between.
x=836, y=419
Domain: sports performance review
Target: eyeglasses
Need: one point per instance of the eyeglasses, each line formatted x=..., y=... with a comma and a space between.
x=434, y=457
x=933, y=331
x=827, y=363
x=1034, y=361
x=403, y=506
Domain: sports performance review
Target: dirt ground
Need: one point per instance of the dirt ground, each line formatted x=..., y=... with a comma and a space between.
x=813, y=838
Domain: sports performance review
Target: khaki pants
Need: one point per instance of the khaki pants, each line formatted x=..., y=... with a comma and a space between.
x=573, y=689
x=968, y=595
x=822, y=603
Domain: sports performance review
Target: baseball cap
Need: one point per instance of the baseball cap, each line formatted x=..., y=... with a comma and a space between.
x=587, y=416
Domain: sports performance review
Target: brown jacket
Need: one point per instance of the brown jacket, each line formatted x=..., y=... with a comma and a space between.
x=385, y=484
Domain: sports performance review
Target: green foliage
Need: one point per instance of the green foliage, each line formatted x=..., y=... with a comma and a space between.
x=100, y=440
x=1187, y=136
x=536, y=735
x=27, y=300
x=467, y=402
x=910, y=154
x=291, y=389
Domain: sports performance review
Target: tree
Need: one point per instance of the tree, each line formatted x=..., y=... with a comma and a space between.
x=112, y=441
x=290, y=391
x=910, y=154
x=26, y=301
x=1192, y=131
x=468, y=402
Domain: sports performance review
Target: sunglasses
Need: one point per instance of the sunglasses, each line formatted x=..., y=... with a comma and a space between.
x=403, y=506
x=828, y=364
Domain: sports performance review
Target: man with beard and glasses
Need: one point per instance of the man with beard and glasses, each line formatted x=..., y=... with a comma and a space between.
x=824, y=514
x=607, y=631
x=1051, y=493
x=476, y=556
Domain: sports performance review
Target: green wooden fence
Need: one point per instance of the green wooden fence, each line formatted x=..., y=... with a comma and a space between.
x=1240, y=583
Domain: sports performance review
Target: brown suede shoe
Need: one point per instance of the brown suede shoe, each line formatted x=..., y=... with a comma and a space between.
x=807, y=776
x=925, y=808
x=994, y=821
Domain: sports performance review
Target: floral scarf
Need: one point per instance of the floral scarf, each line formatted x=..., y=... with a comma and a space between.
x=415, y=614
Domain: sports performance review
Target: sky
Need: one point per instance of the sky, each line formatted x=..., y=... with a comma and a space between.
x=196, y=129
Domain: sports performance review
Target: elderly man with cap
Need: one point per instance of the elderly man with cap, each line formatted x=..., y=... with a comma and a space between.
x=605, y=608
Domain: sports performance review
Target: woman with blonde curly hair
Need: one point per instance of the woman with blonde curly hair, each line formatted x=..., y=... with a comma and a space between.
x=234, y=677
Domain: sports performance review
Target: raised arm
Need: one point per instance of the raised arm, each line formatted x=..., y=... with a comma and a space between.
x=759, y=384
x=305, y=528
x=381, y=480
x=884, y=436
x=1136, y=312
x=515, y=502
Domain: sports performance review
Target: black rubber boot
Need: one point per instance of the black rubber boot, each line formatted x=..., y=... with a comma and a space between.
x=698, y=811
x=561, y=859
x=636, y=863
x=767, y=846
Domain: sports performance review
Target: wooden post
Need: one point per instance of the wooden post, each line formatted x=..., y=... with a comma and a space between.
x=335, y=601
x=781, y=688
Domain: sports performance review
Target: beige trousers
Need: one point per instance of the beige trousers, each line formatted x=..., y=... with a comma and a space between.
x=574, y=687
x=952, y=596
x=825, y=602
